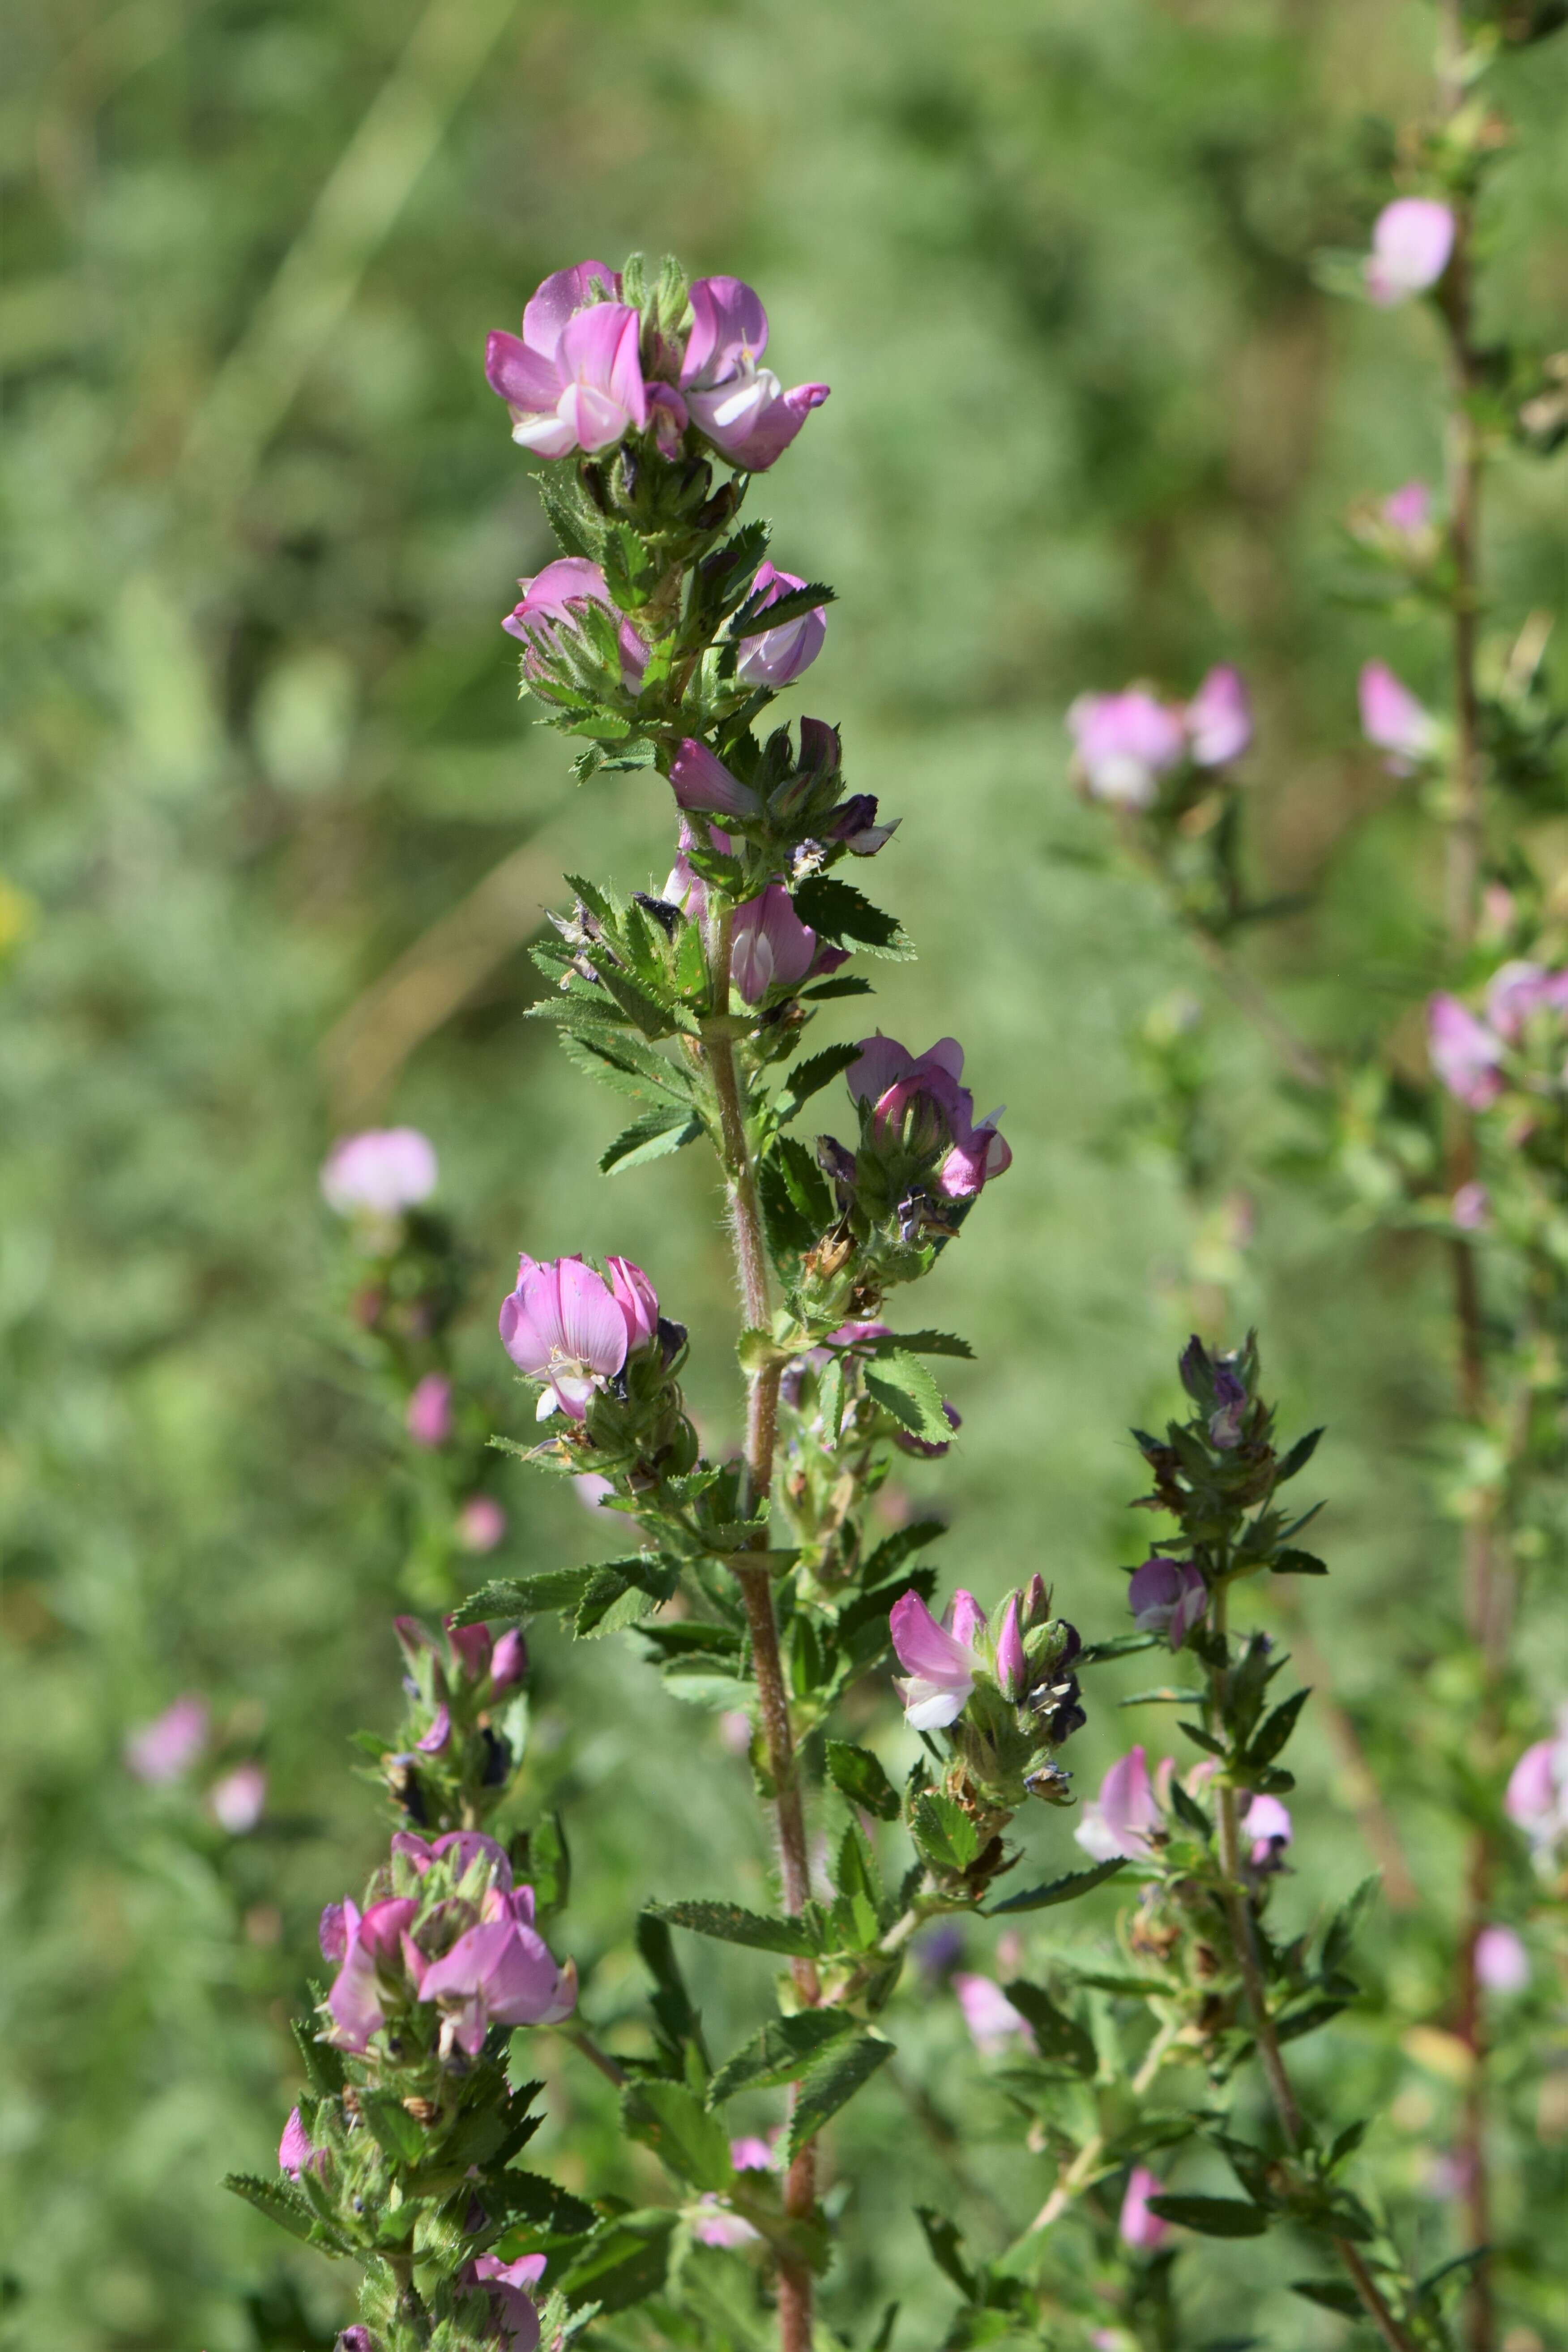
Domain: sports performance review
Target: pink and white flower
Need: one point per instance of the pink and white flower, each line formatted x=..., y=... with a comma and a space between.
x=1466, y=1055
x=1169, y=1597
x=573, y=1328
x=776, y=658
x=740, y=406
x=1412, y=239
x=1536, y=1799
x=379, y=1173
x=941, y=1660
x=511, y=2303
x=1219, y=718
x=428, y=1414
x=772, y=948
x=919, y=1097
x=574, y=380
x=1502, y=1964
x=1125, y=743
x=1124, y=1815
x=238, y=1800
x=500, y=1972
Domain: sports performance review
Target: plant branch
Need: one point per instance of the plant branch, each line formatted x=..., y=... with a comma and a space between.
x=1084, y=2169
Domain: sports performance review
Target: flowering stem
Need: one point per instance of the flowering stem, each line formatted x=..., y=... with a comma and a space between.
x=1081, y=2172
x=1244, y=1940
x=749, y=1242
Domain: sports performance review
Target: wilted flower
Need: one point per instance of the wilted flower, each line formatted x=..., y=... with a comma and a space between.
x=481, y=1523
x=379, y=1173
x=992, y=2020
x=1464, y=1053
x=1122, y=1818
x=239, y=1798
x=701, y=782
x=1411, y=241
x=919, y=1099
x=573, y=1328
x=941, y=1660
x=776, y=658
x=1219, y=717
x=1392, y=719
x=575, y=379
x=1502, y=1964
x=1169, y=1597
x=500, y=1972
x=1139, y=2229
x=772, y=948
x=741, y=407
x=1125, y=743
x=165, y=1748
x=551, y=598
x=429, y=1415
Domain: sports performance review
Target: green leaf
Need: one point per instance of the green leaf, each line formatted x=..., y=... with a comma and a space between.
x=809, y=1077
x=324, y=2066
x=731, y=1925
x=277, y=2201
x=393, y=2127
x=1212, y=2217
x=944, y=2241
x=944, y=1833
x=1066, y=1889
x=836, y=910
x=624, y=2261
x=783, y=2050
x=673, y=2122
x=1299, y=1456
x=1333, y=2294
x=927, y=1343
x=619, y=1592
x=858, y=1774
x=526, y=1596
x=1166, y=1695
x=1276, y=1729
x=1057, y=2036
x=1291, y=1562
x=527, y=2200
x=652, y=1137
x=893, y=1550
x=831, y=2083
x=1120, y=1646
x=850, y=986
x=902, y=1386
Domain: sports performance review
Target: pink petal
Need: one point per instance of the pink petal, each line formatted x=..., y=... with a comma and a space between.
x=883, y=1063
x=1412, y=239
x=522, y=377
x=729, y=330
x=592, y=1328
x=1219, y=717
x=552, y=436
x=633, y=1295
x=598, y=351
x=561, y=297
x=771, y=947
x=703, y=783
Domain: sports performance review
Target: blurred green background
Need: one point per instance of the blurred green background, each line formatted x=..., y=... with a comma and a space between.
x=274, y=835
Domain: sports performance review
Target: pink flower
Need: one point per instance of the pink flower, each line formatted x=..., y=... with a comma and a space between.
x=1012, y=1665
x=371, y=1947
x=379, y=1173
x=165, y=1748
x=992, y=2020
x=1517, y=991
x=1169, y=1597
x=509, y=1661
x=1125, y=743
x=439, y=1733
x=735, y=1731
x=1502, y=1964
x=1121, y=1820
x=428, y=1416
x=1411, y=241
x=591, y=1489
x=741, y=407
x=511, y=2303
x=500, y=1972
x=701, y=782
x=918, y=1100
x=751, y=2155
x=776, y=658
x=940, y=1660
x=1408, y=510
x=239, y=1798
x=1267, y=1824
x=296, y=2152
x=1392, y=719
x=573, y=1328
x=575, y=379
x=1470, y=1207
x=1463, y=1051
x=1537, y=1795
x=1219, y=718
x=553, y=598
x=481, y=1523
x=771, y=947
x=1139, y=2229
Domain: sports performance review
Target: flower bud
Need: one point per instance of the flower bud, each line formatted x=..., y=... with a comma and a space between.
x=238, y=1800
x=165, y=1748
x=1142, y=2231
x=1392, y=719
x=428, y=1416
x=481, y=1524
x=1012, y=1665
x=509, y=1661
x=1501, y=1962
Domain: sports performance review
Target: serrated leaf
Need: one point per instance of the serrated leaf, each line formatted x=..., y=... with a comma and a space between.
x=859, y=1776
x=277, y=2201
x=393, y=2128
x=902, y=1386
x=944, y=2241
x=1057, y=2036
x=1212, y=2217
x=1276, y=1728
x=893, y=1550
x=323, y=2065
x=1297, y=1459
x=783, y=2050
x=526, y=1596
x=1066, y=1889
x=927, y=1343
x=851, y=986
x=527, y=2200
x=1291, y=1562
x=624, y=2261
x=831, y=2083
x=809, y=1077
x=732, y=1925
x=944, y=1833
x=1333, y=2294
x=686, y=2139
x=836, y=910
x=653, y=1136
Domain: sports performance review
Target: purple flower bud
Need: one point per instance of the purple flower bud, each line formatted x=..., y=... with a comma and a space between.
x=1517, y=991
x=238, y=1800
x=1230, y=1406
x=1219, y=718
x=1412, y=239
x=429, y=1417
x=854, y=822
x=1169, y=1597
x=701, y=782
x=356, y=2339
x=669, y=416
x=1142, y=2231
x=573, y=1328
x=552, y=601
x=927, y=1449
x=1037, y=1606
x=295, y=2151
x=771, y=947
x=165, y=1748
x=741, y=407
x=379, y=1173
x=1501, y=1962
x=481, y=1523
x=574, y=380
x=1392, y=719
x=471, y=1649
x=1537, y=1794
x=1012, y=1665
x=776, y=658
x=1125, y=743
x=439, y=1733
x=1464, y=1053
x=509, y=1661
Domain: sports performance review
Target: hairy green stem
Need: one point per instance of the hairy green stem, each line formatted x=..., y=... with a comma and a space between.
x=749, y=1242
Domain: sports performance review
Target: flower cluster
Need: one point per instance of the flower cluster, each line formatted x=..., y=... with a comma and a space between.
x=1007, y=1696
x=1126, y=744
x=165, y=1752
x=1520, y=1037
